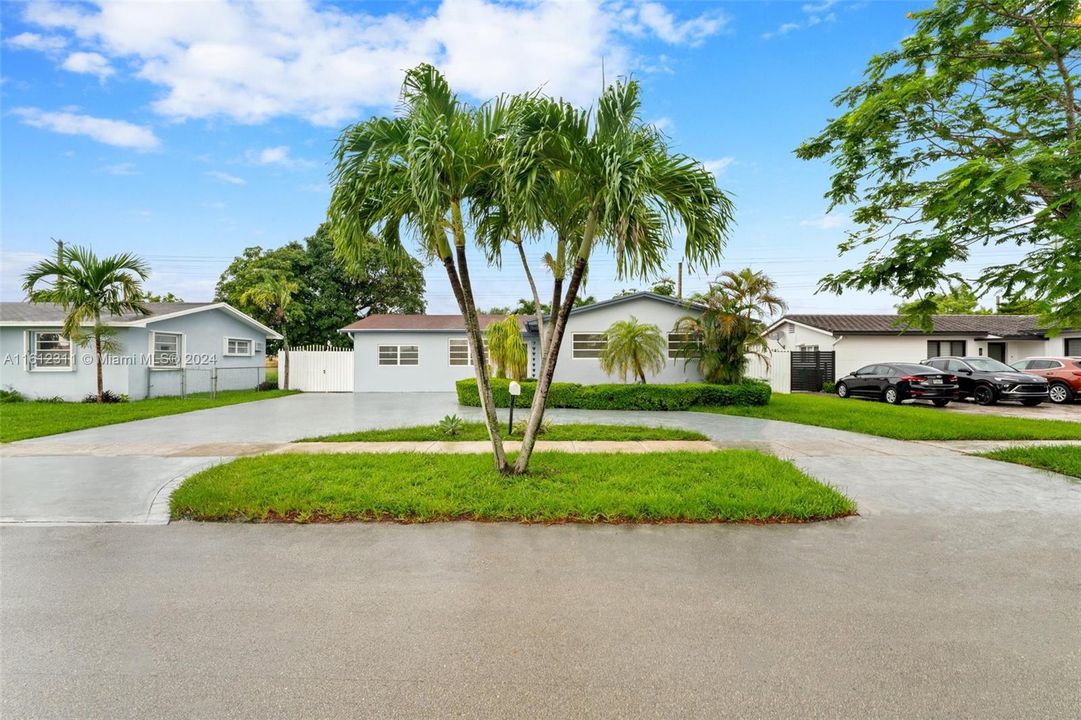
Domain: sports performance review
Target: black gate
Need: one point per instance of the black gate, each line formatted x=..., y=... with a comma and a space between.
x=811, y=368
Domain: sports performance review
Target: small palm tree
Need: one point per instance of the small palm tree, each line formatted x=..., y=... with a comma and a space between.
x=633, y=348
x=274, y=293
x=89, y=287
x=506, y=348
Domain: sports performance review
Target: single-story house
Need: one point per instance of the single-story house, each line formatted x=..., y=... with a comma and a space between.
x=178, y=348
x=859, y=340
x=429, y=353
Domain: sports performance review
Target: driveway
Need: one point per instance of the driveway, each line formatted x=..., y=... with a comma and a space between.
x=1043, y=411
x=953, y=594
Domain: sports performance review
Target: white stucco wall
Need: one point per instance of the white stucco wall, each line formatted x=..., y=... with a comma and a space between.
x=127, y=373
x=433, y=373
x=588, y=370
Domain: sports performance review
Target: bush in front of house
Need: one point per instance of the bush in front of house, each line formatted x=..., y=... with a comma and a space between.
x=107, y=397
x=829, y=388
x=634, y=396
x=11, y=395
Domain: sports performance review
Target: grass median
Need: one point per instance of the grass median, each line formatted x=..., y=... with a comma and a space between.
x=1062, y=459
x=721, y=486
x=30, y=419
x=901, y=422
x=477, y=431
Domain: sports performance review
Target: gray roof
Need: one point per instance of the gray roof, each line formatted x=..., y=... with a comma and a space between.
x=22, y=312
x=645, y=294
x=1007, y=326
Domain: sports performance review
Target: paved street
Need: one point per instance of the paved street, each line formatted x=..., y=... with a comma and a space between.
x=953, y=594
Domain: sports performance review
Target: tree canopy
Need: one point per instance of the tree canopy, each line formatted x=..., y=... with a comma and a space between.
x=332, y=292
x=965, y=136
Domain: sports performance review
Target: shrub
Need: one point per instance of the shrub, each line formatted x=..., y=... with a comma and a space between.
x=623, y=396
x=450, y=425
x=828, y=387
x=11, y=395
x=106, y=397
x=519, y=427
x=267, y=385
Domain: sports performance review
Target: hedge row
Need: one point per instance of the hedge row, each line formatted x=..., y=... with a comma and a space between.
x=622, y=397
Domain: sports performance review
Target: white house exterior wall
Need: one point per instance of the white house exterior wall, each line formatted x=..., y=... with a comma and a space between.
x=433, y=373
x=72, y=384
x=588, y=370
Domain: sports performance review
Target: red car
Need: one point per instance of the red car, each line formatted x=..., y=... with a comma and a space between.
x=1063, y=375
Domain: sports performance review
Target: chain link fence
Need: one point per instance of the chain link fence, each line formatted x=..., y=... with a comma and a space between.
x=181, y=382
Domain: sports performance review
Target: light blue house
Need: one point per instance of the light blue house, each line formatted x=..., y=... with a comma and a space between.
x=178, y=348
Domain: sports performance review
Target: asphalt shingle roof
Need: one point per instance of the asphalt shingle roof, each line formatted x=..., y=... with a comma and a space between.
x=1001, y=325
x=53, y=313
x=420, y=322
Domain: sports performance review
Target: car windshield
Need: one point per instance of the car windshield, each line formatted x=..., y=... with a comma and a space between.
x=986, y=364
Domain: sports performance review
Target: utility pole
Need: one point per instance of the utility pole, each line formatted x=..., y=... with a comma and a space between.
x=59, y=250
x=679, y=281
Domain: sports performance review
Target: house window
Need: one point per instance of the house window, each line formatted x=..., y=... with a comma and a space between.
x=1073, y=347
x=588, y=345
x=238, y=346
x=679, y=345
x=50, y=351
x=460, y=354
x=399, y=355
x=165, y=349
x=940, y=348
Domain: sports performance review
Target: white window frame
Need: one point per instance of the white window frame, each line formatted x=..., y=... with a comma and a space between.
x=30, y=343
x=574, y=342
x=180, y=345
x=674, y=352
x=469, y=360
x=225, y=347
x=397, y=356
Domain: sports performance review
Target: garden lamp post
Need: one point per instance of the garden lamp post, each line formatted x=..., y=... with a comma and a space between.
x=515, y=390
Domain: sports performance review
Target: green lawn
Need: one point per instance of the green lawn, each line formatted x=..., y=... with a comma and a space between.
x=477, y=431
x=1063, y=459
x=22, y=420
x=902, y=422
x=722, y=486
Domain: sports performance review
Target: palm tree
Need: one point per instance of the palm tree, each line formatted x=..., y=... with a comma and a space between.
x=633, y=348
x=507, y=349
x=274, y=294
x=418, y=170
x=89, y=287
x=630, y=190
x=730, y=326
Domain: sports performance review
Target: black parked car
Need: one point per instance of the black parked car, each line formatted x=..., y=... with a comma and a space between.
x=987, y=380
x=896, y=382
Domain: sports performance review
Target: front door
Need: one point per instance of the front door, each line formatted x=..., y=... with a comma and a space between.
x=997, y=351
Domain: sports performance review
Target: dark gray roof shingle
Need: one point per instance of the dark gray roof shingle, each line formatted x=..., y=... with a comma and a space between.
x=53, y=313
x=1001, y=325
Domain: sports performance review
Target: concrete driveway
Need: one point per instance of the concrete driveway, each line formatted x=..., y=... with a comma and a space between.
x=953, y=594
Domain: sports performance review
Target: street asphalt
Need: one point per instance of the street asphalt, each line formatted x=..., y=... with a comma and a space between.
x=955, y=594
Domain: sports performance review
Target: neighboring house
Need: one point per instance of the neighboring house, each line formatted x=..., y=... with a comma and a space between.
x=178, y=348
x=429, y=353
x=859, y=340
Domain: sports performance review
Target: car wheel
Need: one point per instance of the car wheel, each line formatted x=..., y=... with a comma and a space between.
x=940, y=403
x=984, y=394
x=1059, y=393
x=842, y=390
x=1031, y=403
x=892, y=396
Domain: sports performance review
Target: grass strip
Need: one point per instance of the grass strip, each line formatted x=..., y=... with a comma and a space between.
x=1062, y=459
x=477, y=431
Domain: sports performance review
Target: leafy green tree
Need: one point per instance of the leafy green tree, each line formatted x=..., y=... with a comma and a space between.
x=961, y=300
x=965, y=136
x=166, y=298
x=730, y=326
x=633, y=348
x=335, y=291
x=89, y=287
x=664, y=286
x=274, y=294
x=506, y=348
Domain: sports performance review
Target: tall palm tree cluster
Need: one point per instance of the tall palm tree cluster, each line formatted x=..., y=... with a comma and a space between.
x=730, y=326
x=522, y=168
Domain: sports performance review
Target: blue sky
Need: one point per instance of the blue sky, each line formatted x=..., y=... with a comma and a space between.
x=189, y=131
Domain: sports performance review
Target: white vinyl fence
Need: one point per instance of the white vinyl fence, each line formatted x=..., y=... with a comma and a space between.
x=778, y=372
x=313, y=368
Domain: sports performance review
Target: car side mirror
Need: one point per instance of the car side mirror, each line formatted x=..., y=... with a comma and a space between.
x=966, y=371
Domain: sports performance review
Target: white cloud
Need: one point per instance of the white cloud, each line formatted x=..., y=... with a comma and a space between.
x=719, y=165
x=825, y=222
x=111, y=132
x=664, y=124
x=225, y=177
x=813, y=8
x=13, y=265
x=33, y=41
x=251, y=61
x=88, y=63
x=279, y=155
x=124, y=168
x=787, y=28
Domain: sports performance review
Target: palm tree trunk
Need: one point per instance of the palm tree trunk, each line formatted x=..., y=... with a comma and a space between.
x=536, y=303
x=463, y=293
x=97, y=355
x=558, y=273
x=544, y=382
